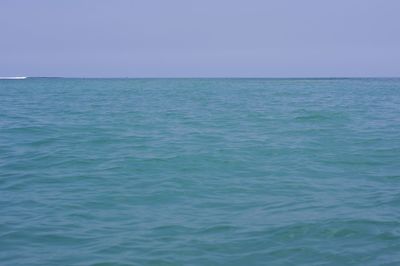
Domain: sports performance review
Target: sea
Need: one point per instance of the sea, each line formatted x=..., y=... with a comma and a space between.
x=200, y=171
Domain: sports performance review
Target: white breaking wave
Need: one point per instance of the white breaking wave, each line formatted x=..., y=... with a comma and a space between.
x=13, y=77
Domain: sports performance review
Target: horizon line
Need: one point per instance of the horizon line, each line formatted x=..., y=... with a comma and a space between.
x=205, y=77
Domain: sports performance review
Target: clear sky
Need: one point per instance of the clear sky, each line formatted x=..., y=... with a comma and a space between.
x=200, y=38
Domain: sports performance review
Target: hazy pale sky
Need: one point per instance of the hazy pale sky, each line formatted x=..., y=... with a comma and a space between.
x=200, y=38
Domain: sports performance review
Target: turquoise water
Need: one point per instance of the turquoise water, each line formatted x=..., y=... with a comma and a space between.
x=200, y=172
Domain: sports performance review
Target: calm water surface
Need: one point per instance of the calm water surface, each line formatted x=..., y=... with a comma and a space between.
x=200, y=172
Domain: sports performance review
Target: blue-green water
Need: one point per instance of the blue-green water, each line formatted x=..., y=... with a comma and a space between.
x=200, y=172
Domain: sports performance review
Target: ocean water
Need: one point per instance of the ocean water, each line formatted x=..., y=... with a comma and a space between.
x=200, y=172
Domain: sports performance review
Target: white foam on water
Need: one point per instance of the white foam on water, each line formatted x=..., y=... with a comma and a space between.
x=13, y=77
